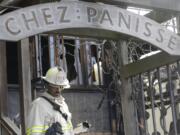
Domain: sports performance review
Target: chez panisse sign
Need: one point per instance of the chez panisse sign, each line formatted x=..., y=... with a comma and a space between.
x=88, y=19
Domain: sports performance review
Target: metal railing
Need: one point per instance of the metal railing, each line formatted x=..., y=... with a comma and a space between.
x=157, y=98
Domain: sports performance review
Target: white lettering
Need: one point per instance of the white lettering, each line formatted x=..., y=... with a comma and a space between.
x=172, y=42
x=160, y=31
x=126, y=21
x=147, y=25
x=13, y=32
x=106, y=17
x=63, y=14
x=28, y=20
x=91, y=13
x=47, y=16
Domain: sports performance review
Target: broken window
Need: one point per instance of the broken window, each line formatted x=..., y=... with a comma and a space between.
x=80, y=58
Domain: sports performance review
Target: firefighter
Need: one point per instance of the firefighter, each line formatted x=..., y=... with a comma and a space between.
x=49, y=113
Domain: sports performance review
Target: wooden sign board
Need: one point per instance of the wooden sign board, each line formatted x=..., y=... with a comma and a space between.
x=89, y=19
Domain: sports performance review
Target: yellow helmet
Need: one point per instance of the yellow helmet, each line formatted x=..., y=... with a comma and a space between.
x=57, y=76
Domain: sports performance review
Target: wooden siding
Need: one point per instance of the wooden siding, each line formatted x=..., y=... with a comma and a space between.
x=83, y=106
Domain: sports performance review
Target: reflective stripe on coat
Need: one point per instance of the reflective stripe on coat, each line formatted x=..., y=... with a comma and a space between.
x=42, y=115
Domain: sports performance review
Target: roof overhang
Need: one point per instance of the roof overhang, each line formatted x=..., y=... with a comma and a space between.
x=171, y=5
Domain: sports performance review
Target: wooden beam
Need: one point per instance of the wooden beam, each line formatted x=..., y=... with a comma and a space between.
x=3, y=79
x=148, y=63
x=9, y=126
x=128, y=107
x=24, y=80
x=83, y=57
x=6, y=123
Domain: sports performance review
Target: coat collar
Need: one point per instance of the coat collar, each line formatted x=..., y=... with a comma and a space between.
x=59, y=99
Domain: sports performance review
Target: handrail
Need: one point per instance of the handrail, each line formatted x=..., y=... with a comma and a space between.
x=10, y=127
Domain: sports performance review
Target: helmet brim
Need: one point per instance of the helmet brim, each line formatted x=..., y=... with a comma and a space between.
x=65, y=84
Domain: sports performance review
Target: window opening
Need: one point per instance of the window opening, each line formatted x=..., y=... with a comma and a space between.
x=80, y=58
